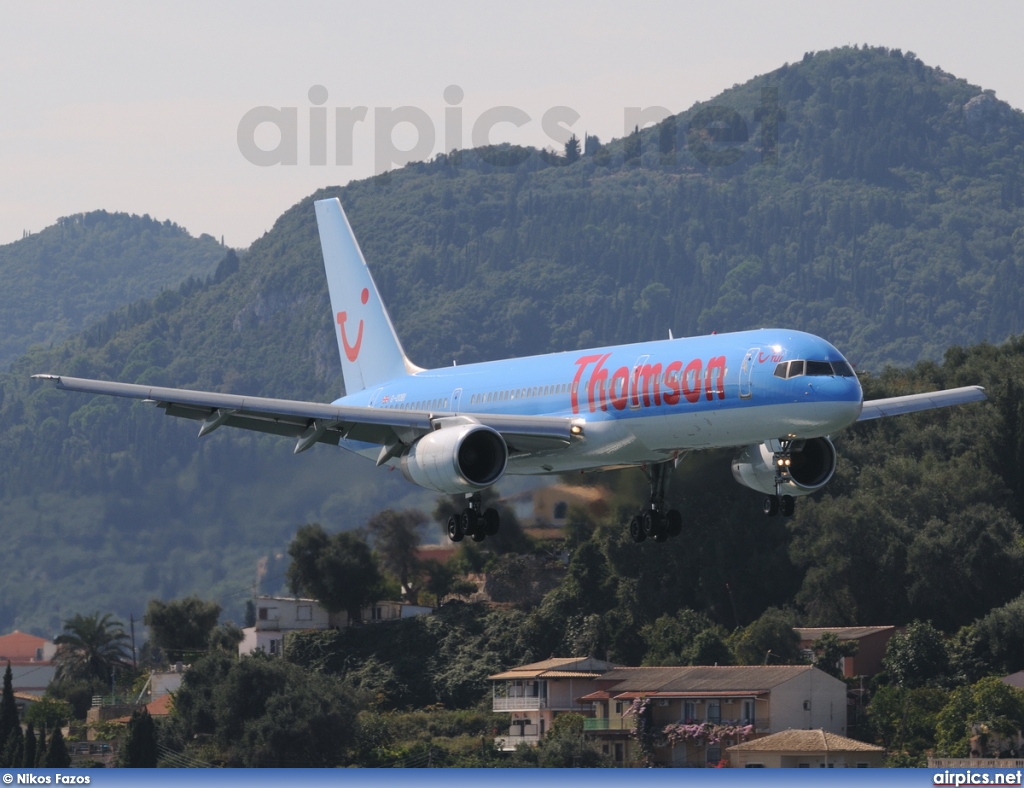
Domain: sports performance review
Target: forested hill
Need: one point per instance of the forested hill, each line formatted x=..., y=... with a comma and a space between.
x=58, y=281
x=858, y=194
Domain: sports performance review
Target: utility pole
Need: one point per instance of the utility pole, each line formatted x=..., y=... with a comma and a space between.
x=131, y=620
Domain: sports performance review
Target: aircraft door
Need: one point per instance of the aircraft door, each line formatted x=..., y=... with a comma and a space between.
x=634, y=401
x=747, y=373
x=375, y=399
x=456, y=400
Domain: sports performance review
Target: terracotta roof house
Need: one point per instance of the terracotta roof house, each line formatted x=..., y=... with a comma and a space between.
x=535, y=694
x=803, y=749
x=698, y=711
x=22, y=648
x=871, y=645
x=31, y=659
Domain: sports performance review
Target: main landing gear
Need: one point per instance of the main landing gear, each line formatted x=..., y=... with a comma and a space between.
x=653, y=521
x=779, y=503
x=472, y=522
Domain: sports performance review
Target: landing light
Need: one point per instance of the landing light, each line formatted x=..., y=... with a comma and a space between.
x=576, y=429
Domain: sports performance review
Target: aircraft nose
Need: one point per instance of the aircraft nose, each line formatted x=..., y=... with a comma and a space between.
x=841, y=396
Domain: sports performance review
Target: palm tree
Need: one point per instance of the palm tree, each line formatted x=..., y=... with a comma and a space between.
x=91, y=647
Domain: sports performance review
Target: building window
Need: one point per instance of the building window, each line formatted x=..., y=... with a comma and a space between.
x=714, y=711
x=304, y=613
x=275, y=647
x=620, y=752
x=754, y=766
x=714, y=754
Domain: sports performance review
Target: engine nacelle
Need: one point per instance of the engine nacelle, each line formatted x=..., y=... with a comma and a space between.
x=814, y=462
x=459, y=459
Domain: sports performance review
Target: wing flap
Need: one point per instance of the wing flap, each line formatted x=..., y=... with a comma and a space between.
x=911, y=403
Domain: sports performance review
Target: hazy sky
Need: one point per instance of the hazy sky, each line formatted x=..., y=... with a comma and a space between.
x=137, y=106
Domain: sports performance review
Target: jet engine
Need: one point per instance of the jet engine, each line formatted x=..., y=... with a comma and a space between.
x=812, y=464
x=457, y=459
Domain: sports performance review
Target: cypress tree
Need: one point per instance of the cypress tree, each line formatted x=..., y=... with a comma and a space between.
x=57, y=753
x=14, y=749
x=41, y=748
x=31, y=755
x=139, y=748
x=8, y=709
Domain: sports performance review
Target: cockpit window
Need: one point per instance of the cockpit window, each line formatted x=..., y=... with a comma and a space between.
x=792, y=369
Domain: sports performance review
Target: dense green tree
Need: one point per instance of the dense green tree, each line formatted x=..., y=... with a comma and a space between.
x=565, y=745
x=226, y=637
x=442, y=580
x=338, y=571
x=264, y=711
x=829, y=652
x=771, y=639
x=139, y=744
x=182, y=627
x=49, y=712
x=91, y=647
x=992, y=645
x=917, y=657
x=687, y=638
x=395, y=537
x=980, y=720
x=56, y=756
x=904, y=720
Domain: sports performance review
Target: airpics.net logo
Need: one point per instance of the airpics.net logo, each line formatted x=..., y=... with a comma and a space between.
x=714, y=136
x=957, y=777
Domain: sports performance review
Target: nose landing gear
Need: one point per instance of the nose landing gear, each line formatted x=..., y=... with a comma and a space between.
x=783, y=462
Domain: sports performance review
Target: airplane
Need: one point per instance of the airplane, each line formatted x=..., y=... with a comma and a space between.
x=775, y=395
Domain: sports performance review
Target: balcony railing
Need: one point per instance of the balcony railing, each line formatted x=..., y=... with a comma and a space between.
x=520, y=704
x=509, y=743
x=607, y=723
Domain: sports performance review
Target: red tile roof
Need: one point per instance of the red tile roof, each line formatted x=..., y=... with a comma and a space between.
x=19, y=647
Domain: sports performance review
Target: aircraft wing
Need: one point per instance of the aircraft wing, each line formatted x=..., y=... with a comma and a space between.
x=895, y=406
x=316, y=422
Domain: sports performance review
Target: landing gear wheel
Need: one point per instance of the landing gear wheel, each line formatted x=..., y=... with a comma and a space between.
x=479, y=536
x=652, y=524
x=636, y=530
x=787, y=505
x=771, y=505
x=491, y=522
x=673, y=523
x=471, y=524
x=455, y=529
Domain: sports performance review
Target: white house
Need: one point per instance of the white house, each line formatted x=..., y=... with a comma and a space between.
x=277, y=616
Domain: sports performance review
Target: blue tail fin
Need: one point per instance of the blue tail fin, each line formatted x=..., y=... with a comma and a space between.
x=369, y=348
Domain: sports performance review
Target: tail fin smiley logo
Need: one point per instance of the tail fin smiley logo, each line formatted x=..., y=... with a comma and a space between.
x=352, y=351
